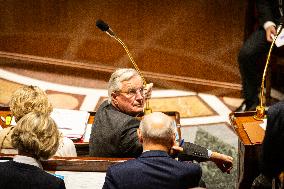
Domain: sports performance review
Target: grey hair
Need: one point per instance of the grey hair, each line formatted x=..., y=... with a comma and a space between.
x=120, y=75
x=158, y=135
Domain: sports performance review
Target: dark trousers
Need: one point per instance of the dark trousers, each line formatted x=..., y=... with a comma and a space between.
x=253, y=50
x=262, y=182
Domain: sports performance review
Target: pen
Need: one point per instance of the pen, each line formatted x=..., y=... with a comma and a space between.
x=181, y=142
x=66, y=128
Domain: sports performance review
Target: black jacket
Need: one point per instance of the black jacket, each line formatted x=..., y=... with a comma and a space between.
x=268, y=10
x=153, y=169
x=14, y=175
x=273, y=144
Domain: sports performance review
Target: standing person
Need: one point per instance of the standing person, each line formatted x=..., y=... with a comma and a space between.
x=154, y=168
x=256, y=46
x=114, y=132
x=23, y=101
x=272, y=158
x=37, y=138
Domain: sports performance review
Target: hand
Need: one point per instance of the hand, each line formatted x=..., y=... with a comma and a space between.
x=148, y=90
x=223, y=162
x=176, y=149
x=270, y=33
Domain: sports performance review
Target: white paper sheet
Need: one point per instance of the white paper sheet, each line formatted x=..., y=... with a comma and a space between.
x=280, y=39
x=72, y=123
x=263, y=125
x=87, y=133
x=82, y=180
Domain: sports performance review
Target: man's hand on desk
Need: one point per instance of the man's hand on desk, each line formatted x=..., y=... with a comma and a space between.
x=223, y=162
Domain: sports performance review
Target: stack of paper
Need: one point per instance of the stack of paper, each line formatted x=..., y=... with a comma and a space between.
x=87, y=133
x=72, y=123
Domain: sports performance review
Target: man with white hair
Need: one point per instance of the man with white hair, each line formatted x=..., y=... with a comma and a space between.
x=114, y=132
x=154, y=168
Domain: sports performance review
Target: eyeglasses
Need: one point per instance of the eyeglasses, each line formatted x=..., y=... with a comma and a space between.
x=133, y=92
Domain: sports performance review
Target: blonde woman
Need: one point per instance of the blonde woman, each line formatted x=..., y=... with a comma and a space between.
x=23, y=101
x=36, y=137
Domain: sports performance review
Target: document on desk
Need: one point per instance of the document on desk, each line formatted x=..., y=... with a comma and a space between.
x=254, y=131
x=80, y=180
x=72, y=123
x=87, y=133
x=263, y=125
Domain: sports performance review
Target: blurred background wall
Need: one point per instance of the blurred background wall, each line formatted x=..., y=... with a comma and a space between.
x=185, y=44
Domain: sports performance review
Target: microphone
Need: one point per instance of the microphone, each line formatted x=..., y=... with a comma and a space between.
x=105, y=27
x=260, y=109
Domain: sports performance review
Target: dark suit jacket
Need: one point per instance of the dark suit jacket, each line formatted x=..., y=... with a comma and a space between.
x=114, y=135
x=268, y=10
x=153, y=169
x=273, y=154
x=14, y=175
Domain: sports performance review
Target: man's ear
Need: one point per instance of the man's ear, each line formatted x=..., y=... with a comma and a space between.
x=113, y=98
x=174, y=140
x=139, y=134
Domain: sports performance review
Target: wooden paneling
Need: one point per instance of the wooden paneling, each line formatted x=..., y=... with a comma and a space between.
x=195, y=43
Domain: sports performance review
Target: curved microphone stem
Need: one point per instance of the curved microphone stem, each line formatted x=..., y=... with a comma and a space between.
x=147, y=109
x=260, y=109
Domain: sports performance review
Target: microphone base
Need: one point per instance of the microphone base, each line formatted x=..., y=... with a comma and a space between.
x=260, y=113
x=147, y=111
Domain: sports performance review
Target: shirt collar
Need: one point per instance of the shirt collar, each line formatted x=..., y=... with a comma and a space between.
x=27, y=160
x=154, y=153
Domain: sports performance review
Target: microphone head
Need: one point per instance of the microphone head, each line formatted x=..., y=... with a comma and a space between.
x=102, y=25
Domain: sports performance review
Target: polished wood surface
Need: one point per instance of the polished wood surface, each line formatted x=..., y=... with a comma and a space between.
x=237, y=120
x=185, y=44
x=248, y=152
x=4, y=112
x=90, y=164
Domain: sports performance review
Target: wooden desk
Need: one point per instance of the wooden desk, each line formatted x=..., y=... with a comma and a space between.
x=82, y=164
x=248, y=156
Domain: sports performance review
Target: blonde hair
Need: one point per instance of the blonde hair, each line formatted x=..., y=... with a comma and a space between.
x=37, y=135
x=29, y=99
